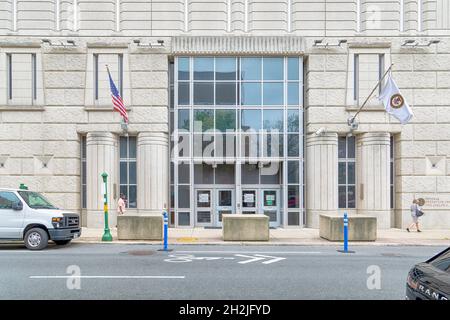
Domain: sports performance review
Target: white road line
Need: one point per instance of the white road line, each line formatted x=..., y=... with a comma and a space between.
x=107, y=277
x=255, y=252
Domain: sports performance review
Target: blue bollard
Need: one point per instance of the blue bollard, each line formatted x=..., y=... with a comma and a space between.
x=345, y=232
x=346, y=235
x=166, y=227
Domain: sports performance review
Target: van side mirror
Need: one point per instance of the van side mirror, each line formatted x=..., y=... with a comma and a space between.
x=18, y=206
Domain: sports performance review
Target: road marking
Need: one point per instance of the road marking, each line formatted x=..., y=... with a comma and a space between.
x=181, y=258
x=108, y=277
x=255, y=252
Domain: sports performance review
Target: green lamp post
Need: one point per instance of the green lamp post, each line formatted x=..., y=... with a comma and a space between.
x=107, y=234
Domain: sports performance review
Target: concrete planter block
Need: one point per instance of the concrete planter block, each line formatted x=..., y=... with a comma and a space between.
x=145, y=227
x=360, y=228
x=245, y=227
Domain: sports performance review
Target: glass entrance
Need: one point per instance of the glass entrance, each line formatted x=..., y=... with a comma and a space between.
x=271, y=206
x=249, y=202
x=225, y=204
x=203, y=207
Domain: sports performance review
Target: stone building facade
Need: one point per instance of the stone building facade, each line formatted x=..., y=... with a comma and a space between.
x=173, y=59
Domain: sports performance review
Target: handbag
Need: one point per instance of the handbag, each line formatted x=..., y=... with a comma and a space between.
x=419, y=213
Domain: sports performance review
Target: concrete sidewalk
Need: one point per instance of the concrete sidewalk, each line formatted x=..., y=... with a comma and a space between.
x=280, y=236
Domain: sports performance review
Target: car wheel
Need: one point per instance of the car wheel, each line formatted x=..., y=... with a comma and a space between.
x=36, y=239
x=61, y=242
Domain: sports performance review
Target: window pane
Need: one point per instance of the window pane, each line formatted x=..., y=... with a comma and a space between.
x=184, y=145
x=250, y=119
x=132, y=147
x=203, y=68
x=203, y=120
x=225, y=68
x=293, y=94
x=132, y=203
x=225, y=120
x=250, y=68
x=225, y=145
x=293, y=68
x=203, y=174
x=342, y=197
x=123, y=173
x=342, y=173
x=293, y=197
x=293, y=218
x=351, y=147
x=251, y=94
x=124, y=190
x=293, y=145
x=273, y=145
x=351, y=173
x=183, y=93
x=293, y=120
x=203, y=93
x=270, y=173
x=293, y=171
x=250, y=145
x=273, y=120
x=250, y=174
x=204, y=145
x=273, y=93
x=183, y=219
x=132, y=174
x=184, y=197
x=273, y=68
x=183, y=68
x=342, y=149
x=183, y=173
x=123, y=147
x=225, y=174
x=183, y=119
x=225, y=93
x=351, y=197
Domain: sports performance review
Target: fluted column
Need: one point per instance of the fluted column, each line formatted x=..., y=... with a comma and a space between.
x=373, y=151
x=152, y=172
x=321, y=177
x=101, y=156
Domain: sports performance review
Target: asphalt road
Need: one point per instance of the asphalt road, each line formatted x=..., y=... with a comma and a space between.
x=120, y=271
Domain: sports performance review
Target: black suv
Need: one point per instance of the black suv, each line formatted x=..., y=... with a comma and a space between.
x=430, y=280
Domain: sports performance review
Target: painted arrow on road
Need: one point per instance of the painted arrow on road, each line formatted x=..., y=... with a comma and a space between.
x=259, y=257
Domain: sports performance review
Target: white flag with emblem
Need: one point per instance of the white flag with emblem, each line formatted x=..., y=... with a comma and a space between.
x=394, y=102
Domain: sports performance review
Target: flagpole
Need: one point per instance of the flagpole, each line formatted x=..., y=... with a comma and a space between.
x=350, y=120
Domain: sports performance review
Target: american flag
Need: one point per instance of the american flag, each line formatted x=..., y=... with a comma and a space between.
x=117, y=99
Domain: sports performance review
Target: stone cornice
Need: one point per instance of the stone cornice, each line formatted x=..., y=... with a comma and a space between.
x=239, y=45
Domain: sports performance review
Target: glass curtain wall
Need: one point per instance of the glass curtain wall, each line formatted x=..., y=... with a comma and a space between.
x=239, y=111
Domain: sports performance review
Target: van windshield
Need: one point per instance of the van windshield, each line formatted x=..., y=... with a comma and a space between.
x=35, y=200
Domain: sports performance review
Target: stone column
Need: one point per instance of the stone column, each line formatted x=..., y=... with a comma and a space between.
x=373, y=190
x=152, y=172
x=321, y=177
x=101, y=156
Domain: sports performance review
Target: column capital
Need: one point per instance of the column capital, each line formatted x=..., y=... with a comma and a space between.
x=328, y=138
x=374, y=138
x=152, y=138
x=100, y=138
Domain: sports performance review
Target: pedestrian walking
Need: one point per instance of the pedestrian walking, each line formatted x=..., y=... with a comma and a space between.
x=121, y=204
x=416, y=212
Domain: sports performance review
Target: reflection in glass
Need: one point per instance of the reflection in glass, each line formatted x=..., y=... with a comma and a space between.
x=203, y=120
x=225, y=120
x=225, y=93
x=351, y=173
x=293, y=171
x=293, y=94
x=273, y=68
x=184, y=197
x=293, y=145
x=293, y=68
x=183, y=93
x=250, y=145
x=203, y=68
x=351, y=147
x=342, y=173
x=273, y=120
x=225, y=174
x=293, y=197
x=250, y=119
x=183, y=68
x=342, y=147
x=273, y=93
x=250, y=68
x=225, y=68
x=183, y=119
x=293, y=120
x=251, y=94
x=351, y=197
x=203, y=93
x=183, y=173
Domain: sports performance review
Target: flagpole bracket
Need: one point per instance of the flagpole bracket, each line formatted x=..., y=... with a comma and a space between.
x=352, y=123
x=124, y=126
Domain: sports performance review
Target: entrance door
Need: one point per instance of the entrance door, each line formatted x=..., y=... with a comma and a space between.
x=225, y=204
x=249, y=201
x=203, y=207
x=271, y=206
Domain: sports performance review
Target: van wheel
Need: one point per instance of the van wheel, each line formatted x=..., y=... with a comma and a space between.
x=36, y=239
x=61, y=242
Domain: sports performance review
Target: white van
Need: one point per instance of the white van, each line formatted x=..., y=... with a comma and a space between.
x=29, y=216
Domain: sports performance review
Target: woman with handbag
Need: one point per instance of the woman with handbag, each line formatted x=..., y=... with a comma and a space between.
x=416, y=212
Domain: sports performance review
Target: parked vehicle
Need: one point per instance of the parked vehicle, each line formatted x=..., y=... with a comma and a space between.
x=29, y=216
x=430, y=280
